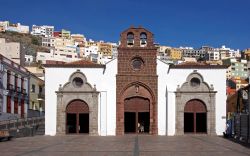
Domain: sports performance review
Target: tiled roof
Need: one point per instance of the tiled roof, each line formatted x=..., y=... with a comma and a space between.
x=80, y=63
x=199, y=65
x=193, y=63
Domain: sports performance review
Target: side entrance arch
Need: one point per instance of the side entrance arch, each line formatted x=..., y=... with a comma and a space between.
x=77, y=106
x=77, y=117
x=195, y=106
x=195, y=117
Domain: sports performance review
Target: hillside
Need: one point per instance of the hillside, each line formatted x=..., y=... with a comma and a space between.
x=29, y=44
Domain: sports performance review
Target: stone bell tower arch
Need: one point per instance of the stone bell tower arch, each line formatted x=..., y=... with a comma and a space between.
x=136, y=80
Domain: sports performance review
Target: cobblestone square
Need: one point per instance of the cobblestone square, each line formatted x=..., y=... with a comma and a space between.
x=128, y=145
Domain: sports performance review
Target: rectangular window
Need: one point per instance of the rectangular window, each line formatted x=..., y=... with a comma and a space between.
x=22, y=108
x=33, y=105
x=40, y=89
x=8, y=78
x=22, y=83
x=33, y=88
x=16, y=82
x=8, y=104
x=16, y=106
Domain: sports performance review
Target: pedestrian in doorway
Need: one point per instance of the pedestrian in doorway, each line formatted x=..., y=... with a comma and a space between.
x=142, y=127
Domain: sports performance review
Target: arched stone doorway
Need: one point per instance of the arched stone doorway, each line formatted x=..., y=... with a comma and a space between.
x=77, y=117
x=136, y=115
x=195, y=117
x=77, y=106
x=136, y=103
x=195, y=103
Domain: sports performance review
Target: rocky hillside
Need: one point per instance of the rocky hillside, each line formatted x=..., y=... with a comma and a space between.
x=28, y=44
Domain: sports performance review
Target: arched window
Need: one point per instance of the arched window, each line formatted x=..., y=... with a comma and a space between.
x=195, y=82
x=137, y=63
x=78, y=82
x=130, y=39
x=143, y=39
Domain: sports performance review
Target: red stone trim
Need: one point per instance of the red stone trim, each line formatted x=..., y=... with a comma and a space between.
x=129, y=92
x=128, y=79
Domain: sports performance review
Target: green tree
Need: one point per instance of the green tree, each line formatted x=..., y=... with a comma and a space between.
x=35, y=41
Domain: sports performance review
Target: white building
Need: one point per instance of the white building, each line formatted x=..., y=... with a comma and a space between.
x=18, y=28
x=57, y=55
x=4, y=24
x=29, y=59
x=14, y=27
x=214, y=55
x=104, y=59
x=88, y=50
x=226, y=53
x=114, y=50
x=44, y=30
x=48, y=41
x=134, y=89
x=66, y=50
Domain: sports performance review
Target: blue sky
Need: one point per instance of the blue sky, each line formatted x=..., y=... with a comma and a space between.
x=173, y=22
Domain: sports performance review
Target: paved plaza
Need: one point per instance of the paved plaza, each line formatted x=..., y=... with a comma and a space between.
x=128, y=145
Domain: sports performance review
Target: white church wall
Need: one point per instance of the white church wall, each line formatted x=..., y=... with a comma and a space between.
x=104, y=79
x=108, y=85
x=162, y=70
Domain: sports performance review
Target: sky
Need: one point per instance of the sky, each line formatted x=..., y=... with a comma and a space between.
x=174, y=23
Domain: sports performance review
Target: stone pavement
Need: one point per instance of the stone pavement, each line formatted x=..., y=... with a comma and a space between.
x=128, y=145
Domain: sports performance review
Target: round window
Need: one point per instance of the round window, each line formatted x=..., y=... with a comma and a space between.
x=195, y=82
x=77, y=81
x=137, y=63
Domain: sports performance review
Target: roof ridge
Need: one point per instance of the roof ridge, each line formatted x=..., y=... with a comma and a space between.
x=82, y=61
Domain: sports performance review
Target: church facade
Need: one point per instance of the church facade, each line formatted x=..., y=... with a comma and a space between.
x=135, y=93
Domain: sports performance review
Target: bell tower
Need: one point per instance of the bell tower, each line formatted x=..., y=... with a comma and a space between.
x=136, y=82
